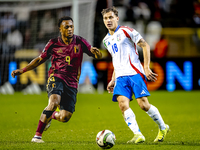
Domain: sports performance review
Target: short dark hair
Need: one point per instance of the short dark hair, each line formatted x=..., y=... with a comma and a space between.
x=113, y=9
x=64, y=18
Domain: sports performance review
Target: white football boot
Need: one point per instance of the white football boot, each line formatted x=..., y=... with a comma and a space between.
x=37, y=140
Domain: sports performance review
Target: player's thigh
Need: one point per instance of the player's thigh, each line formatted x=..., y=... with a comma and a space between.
x=68, y=99
x=54, y=100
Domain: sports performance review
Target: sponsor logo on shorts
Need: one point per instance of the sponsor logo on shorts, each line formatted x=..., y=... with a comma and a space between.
x=143, y=92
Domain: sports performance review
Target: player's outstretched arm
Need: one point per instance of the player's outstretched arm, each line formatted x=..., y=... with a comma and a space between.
x=96, y=52
x=146, y=54
x=32, y=65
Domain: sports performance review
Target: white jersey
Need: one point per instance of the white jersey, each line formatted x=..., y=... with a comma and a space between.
x=122, y=46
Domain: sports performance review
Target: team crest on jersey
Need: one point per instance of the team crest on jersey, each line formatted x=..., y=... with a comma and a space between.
x=60, y=51
x=76, y=49
x=118, y=37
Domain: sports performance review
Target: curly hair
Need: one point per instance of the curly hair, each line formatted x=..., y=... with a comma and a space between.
x=64, y=18
x=113, y=9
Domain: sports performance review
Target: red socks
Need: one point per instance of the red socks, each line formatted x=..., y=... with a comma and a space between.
x=53, y=115
x=42, y=125
x=40, y=128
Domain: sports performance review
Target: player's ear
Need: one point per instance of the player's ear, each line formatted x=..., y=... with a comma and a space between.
x=117, y=18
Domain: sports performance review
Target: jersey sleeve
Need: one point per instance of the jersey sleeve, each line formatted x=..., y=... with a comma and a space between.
x=46, y=53
x=86, y=47
x=134, y=35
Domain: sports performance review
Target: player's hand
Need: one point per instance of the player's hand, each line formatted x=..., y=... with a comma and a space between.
x=16, y=72
x=96, y=52
x=150, y=75
x=110, y=86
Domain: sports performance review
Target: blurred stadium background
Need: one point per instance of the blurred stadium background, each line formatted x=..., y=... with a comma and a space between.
x=171, y=27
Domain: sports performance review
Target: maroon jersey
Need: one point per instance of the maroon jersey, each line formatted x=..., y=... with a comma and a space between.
x=66, y=59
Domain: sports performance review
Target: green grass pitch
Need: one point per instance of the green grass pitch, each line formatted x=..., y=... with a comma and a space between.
x=94, y=112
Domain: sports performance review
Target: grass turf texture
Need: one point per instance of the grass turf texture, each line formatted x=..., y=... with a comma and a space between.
x=94, y=112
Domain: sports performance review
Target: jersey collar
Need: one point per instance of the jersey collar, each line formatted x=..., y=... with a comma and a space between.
x=115, y=29
x=60, y=39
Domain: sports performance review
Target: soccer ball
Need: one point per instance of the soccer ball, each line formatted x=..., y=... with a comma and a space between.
x=105, y=139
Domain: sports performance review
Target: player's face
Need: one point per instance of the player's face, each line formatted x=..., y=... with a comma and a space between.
x=67, y=28
x=110, y=20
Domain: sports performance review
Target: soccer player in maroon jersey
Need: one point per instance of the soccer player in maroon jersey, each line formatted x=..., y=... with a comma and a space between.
x=66, y=54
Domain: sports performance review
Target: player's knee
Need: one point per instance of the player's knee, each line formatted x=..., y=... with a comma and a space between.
x=65, y=117
x=144, y=106
x=123, y=107
x=123, y=103
x=143, y=103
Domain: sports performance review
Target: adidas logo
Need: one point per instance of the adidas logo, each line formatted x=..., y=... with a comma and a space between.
x=143, y=92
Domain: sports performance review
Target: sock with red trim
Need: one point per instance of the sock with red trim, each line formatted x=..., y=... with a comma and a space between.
x=40, y=129
x=53, y=115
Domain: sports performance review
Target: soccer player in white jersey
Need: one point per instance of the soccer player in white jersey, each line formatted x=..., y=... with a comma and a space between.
x=129, y=77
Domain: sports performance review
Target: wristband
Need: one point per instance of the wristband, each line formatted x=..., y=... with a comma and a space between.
x=24, y=69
